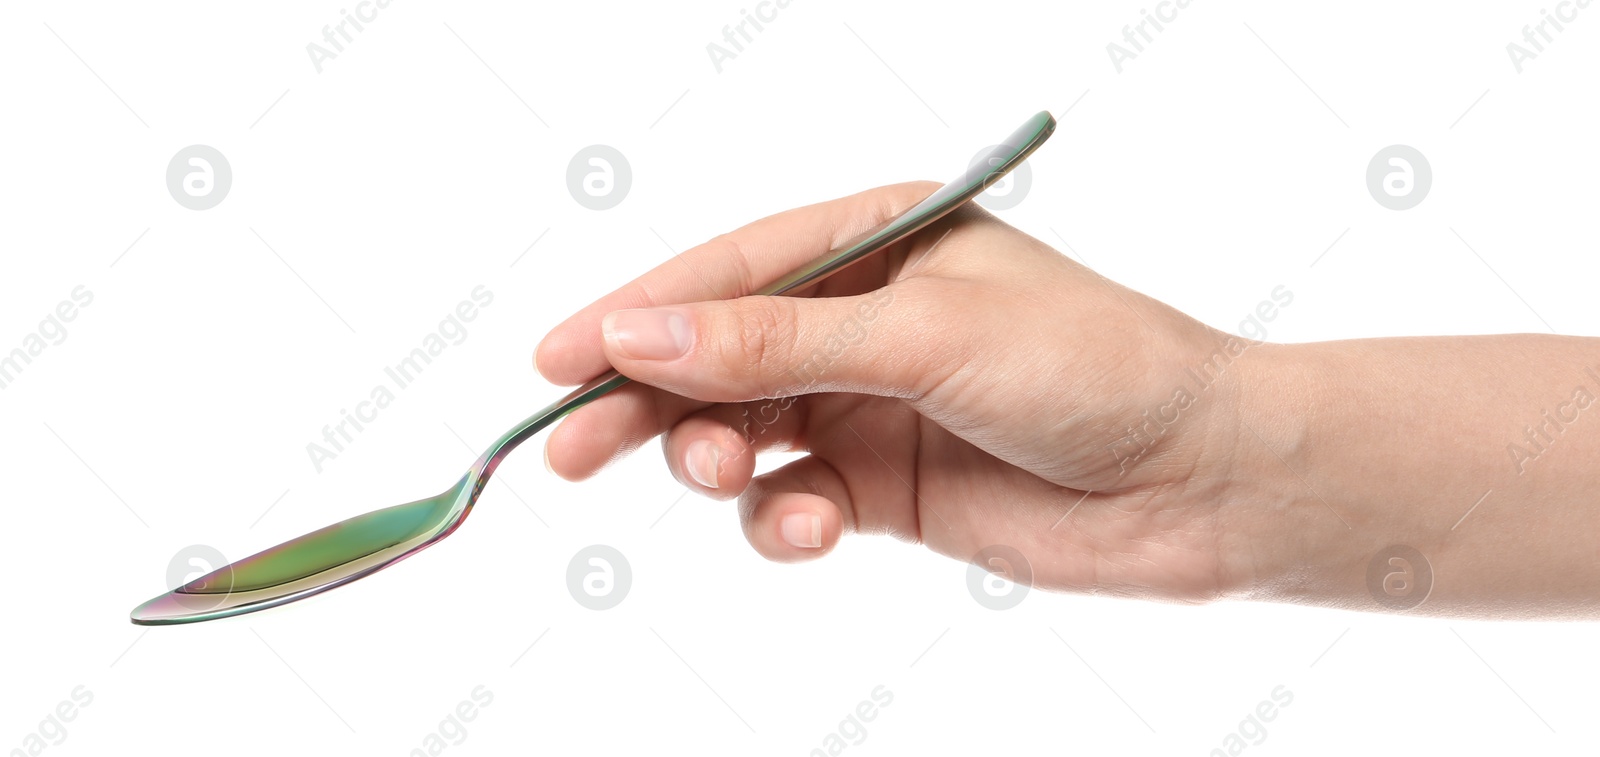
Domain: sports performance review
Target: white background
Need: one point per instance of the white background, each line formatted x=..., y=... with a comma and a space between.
x=178, y=409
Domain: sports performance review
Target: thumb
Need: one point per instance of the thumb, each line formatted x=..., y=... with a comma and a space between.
x=761, y=347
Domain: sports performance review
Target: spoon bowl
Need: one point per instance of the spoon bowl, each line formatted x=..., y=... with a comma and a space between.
x=314, y=563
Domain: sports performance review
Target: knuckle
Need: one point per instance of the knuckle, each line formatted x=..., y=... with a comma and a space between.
x=765, y=333
x=729, y=255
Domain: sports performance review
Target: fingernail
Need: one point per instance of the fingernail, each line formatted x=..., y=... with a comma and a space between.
x=803, y=530
x=648, y=333
x=702, y=460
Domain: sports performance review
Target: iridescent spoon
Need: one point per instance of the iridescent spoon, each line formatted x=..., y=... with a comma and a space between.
x=365, y=544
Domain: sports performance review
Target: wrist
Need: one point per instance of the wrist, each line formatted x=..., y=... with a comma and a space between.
x=1289, y=537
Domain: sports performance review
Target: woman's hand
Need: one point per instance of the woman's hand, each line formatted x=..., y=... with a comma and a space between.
x=968, y=387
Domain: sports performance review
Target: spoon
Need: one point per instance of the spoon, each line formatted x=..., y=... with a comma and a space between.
x=366, y=544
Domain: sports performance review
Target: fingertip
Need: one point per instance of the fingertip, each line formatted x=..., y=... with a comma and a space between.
x=558, y=358
x=710, y=458
x=795, y=527
x=564, y=456
x=544, y=359
x=553, y=448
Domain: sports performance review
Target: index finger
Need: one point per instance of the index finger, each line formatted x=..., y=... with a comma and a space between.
x=731, y=265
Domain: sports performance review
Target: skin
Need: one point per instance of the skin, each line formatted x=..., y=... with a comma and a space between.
x=983, y=389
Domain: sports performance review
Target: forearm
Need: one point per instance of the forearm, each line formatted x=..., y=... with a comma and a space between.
x=1481, y=453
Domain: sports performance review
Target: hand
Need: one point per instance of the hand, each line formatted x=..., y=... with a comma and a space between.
x=968, y=387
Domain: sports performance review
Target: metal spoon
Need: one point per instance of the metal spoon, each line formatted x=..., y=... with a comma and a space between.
x=365, y=544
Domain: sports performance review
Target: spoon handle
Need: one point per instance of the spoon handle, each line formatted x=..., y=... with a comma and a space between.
x=982, y=173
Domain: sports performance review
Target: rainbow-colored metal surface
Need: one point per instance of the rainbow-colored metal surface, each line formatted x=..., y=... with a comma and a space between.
x=358, y=547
